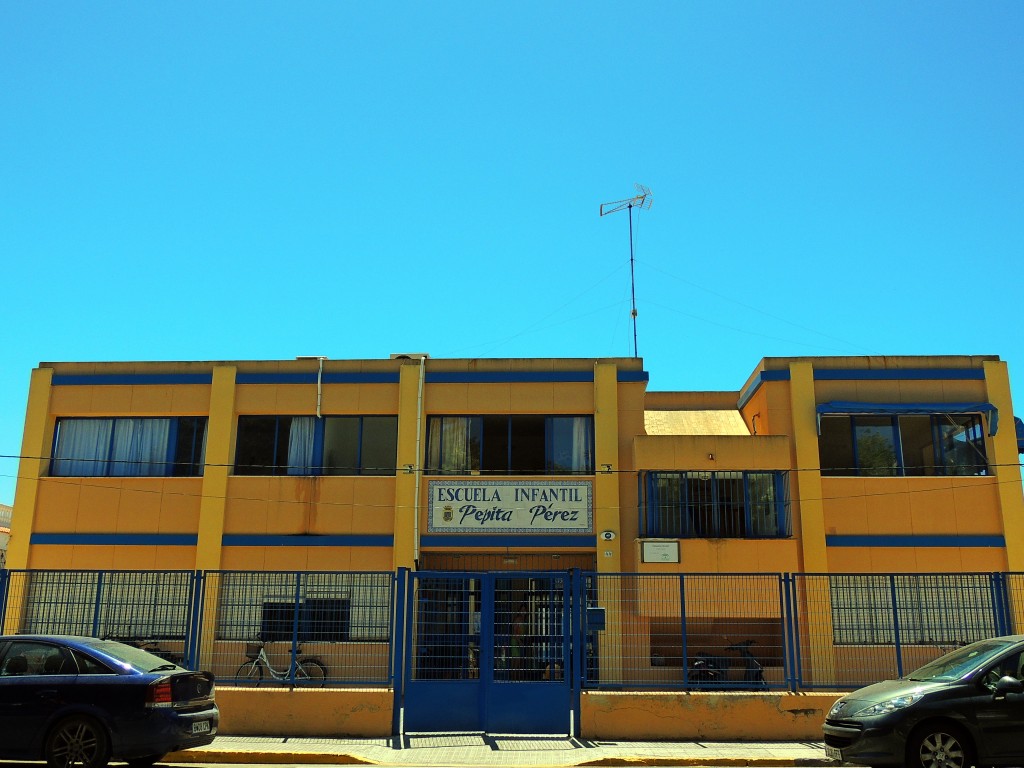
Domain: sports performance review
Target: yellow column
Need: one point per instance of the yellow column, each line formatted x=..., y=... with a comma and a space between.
x=1005, y=460
x=607, y=516
x=808, y=479
x=35, y=452
x=220, y=441
x=812, y=519
x=407, y=481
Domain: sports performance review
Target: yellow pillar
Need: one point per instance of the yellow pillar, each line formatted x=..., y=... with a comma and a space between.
x=35, y=452
x=607, y=515
x=409, y=478
x=812, y=519
x=220, y=443
x=1005, y=461
x=220, y=440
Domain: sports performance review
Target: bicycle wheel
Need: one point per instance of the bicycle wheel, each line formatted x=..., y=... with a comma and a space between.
x=310, y=672
x=250, y=673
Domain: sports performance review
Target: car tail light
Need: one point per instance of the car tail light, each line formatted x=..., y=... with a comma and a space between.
x=159, y=694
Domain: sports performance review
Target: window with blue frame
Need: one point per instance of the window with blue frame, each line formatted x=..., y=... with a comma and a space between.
x=713, y=505
x=902, y=445
x=510, y=445
x=129, y=447
x=308, y=445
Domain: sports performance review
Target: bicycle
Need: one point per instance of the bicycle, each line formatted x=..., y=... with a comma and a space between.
x=304, y=671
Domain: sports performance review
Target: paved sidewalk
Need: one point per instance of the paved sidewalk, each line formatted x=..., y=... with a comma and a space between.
x=486, y=750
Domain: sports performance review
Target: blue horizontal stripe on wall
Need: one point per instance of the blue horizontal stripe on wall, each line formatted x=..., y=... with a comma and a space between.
x=310, y=378
x=471, y=541
x=900, y=374
x=117, y=539
x=526, y=377
x=933, y=540
x=760, y=379
x=108, y=379
x=285, y=540
x=626, y=377
x=867, y=374
x=509, y=377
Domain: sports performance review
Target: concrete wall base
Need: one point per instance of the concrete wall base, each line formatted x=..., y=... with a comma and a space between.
x=625, y=715
x=324, y=712
x=733, y=716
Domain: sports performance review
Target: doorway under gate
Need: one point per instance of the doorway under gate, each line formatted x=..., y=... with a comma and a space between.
x=491, y=652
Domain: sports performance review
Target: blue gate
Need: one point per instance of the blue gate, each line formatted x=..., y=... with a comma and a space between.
x=489, y=652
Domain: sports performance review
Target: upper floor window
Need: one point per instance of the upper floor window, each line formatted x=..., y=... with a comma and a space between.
x=130, y=447
x=531, y=445
x=711, y=505
x=306, y=445
x=903, y=445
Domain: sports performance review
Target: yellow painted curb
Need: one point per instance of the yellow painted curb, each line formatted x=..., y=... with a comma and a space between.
x=263, y=758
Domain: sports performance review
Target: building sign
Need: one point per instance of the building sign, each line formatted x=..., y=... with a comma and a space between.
x=660, y=552
x=530, y=506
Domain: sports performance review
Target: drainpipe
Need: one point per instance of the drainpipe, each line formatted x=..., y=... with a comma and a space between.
x=319, y=378
x=319, y=386
x=419, y=464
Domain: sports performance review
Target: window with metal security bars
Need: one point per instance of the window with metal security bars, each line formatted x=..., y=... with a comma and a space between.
x=913, y=609
x=129, y=447
x=717, y=505
x=120, y=605
x=313, y=607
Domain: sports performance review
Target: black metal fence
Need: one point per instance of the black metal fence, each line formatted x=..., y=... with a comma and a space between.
x=659, y=631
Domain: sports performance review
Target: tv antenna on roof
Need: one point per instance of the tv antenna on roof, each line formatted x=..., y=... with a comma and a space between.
x=641, y=201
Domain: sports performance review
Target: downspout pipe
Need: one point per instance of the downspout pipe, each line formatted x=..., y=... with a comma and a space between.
x=319, y=386
x=418, y=468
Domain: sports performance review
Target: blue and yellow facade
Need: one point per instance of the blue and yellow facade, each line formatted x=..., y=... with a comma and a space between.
x=220, y=519
x=815, y=466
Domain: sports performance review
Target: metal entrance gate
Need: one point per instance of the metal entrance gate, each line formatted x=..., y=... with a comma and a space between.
x=489, y=652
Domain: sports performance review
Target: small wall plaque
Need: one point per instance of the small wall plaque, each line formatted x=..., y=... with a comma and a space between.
x=660, y=551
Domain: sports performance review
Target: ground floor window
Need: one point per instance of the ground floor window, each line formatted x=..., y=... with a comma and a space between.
x=916, y=609
x=716, y=505
x=314, y=607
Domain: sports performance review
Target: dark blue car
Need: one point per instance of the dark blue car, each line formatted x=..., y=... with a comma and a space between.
x=80, y=701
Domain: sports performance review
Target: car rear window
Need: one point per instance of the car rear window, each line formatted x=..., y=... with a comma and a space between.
x=130, y=656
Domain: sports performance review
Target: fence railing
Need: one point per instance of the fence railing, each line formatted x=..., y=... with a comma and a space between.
x=657, y=631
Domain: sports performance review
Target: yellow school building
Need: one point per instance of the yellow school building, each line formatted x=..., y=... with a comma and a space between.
x=536, y=522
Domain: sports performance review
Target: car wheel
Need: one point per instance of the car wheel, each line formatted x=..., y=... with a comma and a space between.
x=940, y=745
x=144, y=762
x=77, y=741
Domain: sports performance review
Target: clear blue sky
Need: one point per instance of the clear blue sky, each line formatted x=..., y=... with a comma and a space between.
x=260, y=180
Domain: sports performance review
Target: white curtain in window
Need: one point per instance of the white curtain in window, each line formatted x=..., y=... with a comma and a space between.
x=450, y=442
x=82, y=447
x=140, y=448
x=582, y=444
x=300, y=445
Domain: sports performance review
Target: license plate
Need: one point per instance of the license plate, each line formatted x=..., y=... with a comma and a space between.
x=834, y=753
x=202, y=726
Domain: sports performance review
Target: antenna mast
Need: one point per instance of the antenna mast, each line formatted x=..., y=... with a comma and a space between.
x=641, y=201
